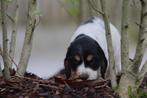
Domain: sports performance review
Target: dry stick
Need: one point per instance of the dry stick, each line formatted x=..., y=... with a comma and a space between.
x=141, y=37
x=5, y=40
x=109, y=42
x=14, y=33
x=27, y=46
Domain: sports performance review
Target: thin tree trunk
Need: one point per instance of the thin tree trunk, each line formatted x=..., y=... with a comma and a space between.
x=5, y=40
x=129, y=79
x=14, y=33
x=141, y=37
x=84, y=10
x=1, y=74
x=124, y=36
x=27, y=46
x=143, y=27
x=109, y=42
x=126, y=79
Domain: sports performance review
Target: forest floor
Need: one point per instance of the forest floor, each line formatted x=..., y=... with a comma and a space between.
x=32, y=86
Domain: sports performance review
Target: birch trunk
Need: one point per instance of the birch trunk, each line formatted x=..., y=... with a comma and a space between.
x=126, y=79
x=130, y=76
x=1, y=74
x=143, y=30
x=84, y=10
x=141, y=37
x=109, y=42
x=27, y=46
x=5, y=40
x=14, y=34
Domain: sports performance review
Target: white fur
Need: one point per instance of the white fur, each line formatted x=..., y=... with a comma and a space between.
x=96, y=30
x=85, y=70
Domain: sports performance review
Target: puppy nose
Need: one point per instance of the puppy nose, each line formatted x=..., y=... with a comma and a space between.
x=84, y=76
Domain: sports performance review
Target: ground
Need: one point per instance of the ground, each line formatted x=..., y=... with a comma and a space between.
x=32, y=86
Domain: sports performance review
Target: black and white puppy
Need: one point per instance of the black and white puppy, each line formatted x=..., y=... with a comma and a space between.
x=87, y=51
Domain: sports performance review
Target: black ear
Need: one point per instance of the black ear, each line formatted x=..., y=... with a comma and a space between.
x=67, y=68
x=103, y=67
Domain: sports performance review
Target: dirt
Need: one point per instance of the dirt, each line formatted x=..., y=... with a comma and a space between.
x=32, y=86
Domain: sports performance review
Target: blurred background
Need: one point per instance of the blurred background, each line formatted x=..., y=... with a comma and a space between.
x=58, y=19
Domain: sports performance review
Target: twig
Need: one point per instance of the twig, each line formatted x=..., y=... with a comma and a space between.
x=102, y=86
x=35, y=88
x=1, y=53
x=9, y=17
x=13, y=62
x=94, y=8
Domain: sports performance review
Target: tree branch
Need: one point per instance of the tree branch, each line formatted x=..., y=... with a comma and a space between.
x=5, y=40
x=143, y=71
x=141, y=37
x=27, y=46
x=109, y=42
x=94, y=8
x=14, y=33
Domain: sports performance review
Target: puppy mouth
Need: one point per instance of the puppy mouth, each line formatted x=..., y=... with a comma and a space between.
x=77, y=75
x=74, y=75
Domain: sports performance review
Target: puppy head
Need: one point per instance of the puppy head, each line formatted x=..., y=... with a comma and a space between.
x=84, y=57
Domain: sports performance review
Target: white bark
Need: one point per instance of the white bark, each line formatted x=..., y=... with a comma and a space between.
x=126, y=79
x=131, y=77
x=5, y=40
x=14, y=33
x=1, y=74
x=109, y=42
x=27, y=46
x=141, y=44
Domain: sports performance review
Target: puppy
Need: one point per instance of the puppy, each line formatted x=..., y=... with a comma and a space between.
x=87, y=52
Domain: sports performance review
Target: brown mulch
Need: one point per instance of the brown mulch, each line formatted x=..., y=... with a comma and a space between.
x=32, y=86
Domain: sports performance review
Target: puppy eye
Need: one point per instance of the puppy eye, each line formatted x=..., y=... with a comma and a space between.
x=77, y=58
x=89, y=57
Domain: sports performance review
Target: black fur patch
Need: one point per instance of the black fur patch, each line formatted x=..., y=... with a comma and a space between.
x=90, y=20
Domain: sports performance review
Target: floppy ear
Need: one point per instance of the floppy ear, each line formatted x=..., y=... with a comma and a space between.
x=67, y=68
x=103, y=67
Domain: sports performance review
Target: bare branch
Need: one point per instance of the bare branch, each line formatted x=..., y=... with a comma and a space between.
x=14, y=33
x=109, y=42
x=27, y=46
x=141, y=37
x=94, y=8
x=5, y=40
